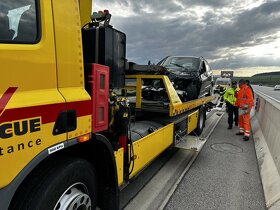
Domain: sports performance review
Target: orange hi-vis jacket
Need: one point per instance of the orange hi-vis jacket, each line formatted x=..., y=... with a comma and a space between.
x=244, y=97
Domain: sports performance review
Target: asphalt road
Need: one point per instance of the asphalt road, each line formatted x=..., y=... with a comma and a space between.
x=225, y=175
x=268, y=91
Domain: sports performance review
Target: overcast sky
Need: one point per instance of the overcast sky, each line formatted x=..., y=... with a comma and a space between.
x=228, y=33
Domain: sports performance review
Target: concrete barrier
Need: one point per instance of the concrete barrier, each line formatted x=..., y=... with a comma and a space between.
x=265, y=121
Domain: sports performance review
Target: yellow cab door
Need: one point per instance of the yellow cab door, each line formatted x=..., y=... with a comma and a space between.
x=70, y=66
x=30, y=101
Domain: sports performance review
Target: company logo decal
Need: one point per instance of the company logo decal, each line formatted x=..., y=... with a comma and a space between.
x=19, y=128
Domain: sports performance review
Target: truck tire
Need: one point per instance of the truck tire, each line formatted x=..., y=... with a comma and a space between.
x=201, y=121
x=67, y=183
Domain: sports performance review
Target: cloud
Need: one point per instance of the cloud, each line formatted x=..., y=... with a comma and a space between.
x=245, y=61
x=223, y=31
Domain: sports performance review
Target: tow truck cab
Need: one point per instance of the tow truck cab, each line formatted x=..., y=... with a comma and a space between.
x=56, y=79
x=44, y=107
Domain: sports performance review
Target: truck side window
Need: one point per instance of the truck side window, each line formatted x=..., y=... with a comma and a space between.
x=18, y=21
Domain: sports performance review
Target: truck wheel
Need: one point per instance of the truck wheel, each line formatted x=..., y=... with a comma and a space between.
x=65, y=184
x=201, y=121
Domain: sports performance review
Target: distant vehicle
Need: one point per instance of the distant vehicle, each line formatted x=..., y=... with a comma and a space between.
x=221, y=82
x=277, y=87
x=260, y=84
x=227, y=74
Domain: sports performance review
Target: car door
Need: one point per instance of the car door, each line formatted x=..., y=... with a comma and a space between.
x=204, y=79
x=210, y=81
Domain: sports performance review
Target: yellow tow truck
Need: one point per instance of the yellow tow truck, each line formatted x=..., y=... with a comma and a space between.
x=69, y=137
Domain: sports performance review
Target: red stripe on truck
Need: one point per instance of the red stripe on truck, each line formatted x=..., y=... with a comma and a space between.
x=48, y=113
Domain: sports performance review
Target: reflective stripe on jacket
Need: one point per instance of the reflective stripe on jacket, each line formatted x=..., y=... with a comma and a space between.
x=244, y=97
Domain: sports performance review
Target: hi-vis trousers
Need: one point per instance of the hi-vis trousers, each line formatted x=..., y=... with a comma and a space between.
x=244, y=123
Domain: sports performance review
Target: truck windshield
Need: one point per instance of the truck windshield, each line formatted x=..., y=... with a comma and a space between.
x=186, y=63
x=18, y=22
x=222, y=82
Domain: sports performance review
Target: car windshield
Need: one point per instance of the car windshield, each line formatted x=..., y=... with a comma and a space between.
x=186, y=63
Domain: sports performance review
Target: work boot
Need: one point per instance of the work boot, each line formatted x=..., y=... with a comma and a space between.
x=229, y=127
x=245, y=138
x=239, y=134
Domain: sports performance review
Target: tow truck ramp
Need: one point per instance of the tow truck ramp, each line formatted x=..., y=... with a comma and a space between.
x=195, y=143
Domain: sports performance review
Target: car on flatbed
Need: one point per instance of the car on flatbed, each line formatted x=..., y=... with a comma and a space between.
x=191, y=76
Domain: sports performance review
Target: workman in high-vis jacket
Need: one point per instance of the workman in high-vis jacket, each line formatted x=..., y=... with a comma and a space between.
x=230, y=99
x=245, y=102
